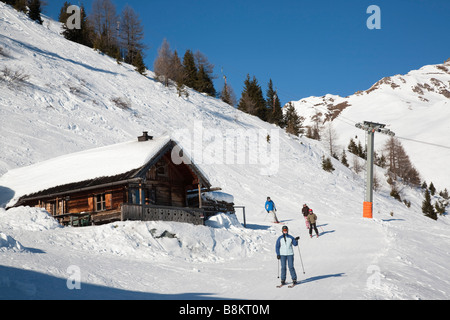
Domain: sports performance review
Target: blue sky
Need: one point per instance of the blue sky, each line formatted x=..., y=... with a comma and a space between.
x=307, y=47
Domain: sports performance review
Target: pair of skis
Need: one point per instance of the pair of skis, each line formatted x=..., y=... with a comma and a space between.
x=289, y=286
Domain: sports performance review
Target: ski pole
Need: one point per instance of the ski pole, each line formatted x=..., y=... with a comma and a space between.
x=279, y=262
x=301, y=259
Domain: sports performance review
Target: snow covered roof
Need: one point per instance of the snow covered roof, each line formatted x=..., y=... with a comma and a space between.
x=109, y=161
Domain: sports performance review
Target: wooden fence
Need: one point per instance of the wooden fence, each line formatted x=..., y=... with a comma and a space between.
x=135, y=212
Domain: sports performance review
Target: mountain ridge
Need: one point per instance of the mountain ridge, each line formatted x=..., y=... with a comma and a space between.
x=415, y=106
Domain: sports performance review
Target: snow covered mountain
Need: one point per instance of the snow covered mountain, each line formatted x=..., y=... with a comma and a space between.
x=415, y=106
x=73, y=98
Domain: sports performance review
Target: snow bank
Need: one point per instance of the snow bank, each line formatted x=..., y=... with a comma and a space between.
x=221, y=240
x=27, y=219
x=9, y=243
x=223, y=220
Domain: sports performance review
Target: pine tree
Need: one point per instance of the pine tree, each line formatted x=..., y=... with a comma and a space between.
x=274, y=111
x=190, y=69
x=84, y=34
x=252, y=100
x=292, y=120
x=20, y=5
x=63, y=15
x=432, y=189
x=227, y=95
x=177, y=70
x=344, y=159
x=35, y=11
x=327, y=165
x=427, y=207
x=139, y=64
x=352, y=147
x=205, y=75
x=204, y=82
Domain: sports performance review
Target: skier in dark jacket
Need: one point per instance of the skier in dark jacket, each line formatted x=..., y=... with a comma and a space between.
x=305, y=212
x=285, y=253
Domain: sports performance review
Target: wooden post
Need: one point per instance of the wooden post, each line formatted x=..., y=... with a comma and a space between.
x=200, y=195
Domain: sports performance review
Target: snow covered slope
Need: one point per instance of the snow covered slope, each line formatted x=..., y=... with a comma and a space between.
x=67, y=106
x=415, y=106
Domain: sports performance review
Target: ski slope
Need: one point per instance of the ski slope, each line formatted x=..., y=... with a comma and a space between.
x=66, y=107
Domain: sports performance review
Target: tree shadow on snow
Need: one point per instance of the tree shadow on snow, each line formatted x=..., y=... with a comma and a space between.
x=55, y=56
x=19, y=284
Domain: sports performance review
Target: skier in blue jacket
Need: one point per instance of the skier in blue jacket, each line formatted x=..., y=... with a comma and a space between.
x=270, y=208
x=285, y=253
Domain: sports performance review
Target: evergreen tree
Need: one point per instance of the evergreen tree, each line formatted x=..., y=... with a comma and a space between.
x=177, y=70
x=227, y=95
x=204, y=83
x=84, y=34
x=205, y=75
x=327, y=165
x=63, y=15
x=20, y=5
x=344, y=159
x=440, y=207
x=190, y=70
x=427, y=207
x=293, y=121
x=362, y=153
x=444, y=194
x=432, y=189
x=252, y=100
x=274, y=111
x=352, y=147
x=138, y=63
x=35, y=11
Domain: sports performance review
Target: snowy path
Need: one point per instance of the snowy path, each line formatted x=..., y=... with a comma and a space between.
x=113, y=267
x=353, y=259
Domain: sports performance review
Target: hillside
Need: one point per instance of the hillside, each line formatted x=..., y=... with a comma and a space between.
x=415, y=106
x=66, y=105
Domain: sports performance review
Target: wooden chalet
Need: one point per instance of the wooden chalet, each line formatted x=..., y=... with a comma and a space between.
x=131, y=181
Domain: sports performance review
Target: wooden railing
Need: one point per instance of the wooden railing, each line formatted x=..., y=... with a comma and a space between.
x=135, y=212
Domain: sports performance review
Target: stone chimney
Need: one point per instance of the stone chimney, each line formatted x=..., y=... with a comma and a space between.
x=145, y=137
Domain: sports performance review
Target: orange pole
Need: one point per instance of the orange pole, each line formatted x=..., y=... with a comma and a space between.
x=368, y=210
